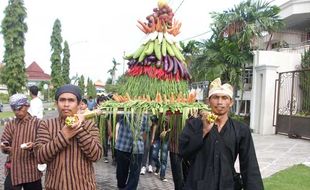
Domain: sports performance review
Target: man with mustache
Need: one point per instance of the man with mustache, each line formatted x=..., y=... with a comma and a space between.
x=69, y=151
x=213, y=146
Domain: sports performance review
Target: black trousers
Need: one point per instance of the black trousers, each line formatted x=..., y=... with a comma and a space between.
x=179, y=170
x=36, y=185
x=128, y=170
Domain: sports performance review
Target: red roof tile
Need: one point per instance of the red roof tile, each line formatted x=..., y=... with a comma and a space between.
x=34, y=72
x=99, y=83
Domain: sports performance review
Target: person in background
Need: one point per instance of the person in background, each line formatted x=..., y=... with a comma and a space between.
x=91, y=103
x=69, y=151
x=147, y=156
x=83, y=106
x=129, y=151
x=17, y=141
x=160, y=143
x=36, y=105
x=212, y=147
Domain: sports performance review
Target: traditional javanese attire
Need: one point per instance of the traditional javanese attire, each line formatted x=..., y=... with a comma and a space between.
x=69, y=162
x=23, y=162
x=211, y=165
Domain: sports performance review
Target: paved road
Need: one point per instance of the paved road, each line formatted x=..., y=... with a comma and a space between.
x=6, y=107
x=274, y=153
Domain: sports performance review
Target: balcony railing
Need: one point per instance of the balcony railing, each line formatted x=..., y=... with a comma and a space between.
x=283, y=40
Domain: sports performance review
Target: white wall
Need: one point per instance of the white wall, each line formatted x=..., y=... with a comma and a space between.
x=266, y=66
x=294, y=7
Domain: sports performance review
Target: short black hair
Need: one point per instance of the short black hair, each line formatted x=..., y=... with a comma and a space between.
x=34, y=90
x=154, y=118
x=84, y=100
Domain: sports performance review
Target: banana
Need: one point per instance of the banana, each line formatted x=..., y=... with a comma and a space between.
x=143, y=54
x=128, y=56
x=150, y=48
x=164, y=47
x=138, y=52
x=157, y=49
x=177, y=53
x=169, y=50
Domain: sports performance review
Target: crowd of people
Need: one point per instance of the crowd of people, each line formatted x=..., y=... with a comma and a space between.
x=202, y=155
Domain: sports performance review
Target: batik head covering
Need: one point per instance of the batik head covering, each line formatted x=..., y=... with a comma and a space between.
x=216, y=87
x=18, y=100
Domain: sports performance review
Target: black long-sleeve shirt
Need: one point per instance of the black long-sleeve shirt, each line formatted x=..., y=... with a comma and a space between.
x=212, y=165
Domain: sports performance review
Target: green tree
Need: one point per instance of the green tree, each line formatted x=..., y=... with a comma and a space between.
x=56, y=41
x=190, y=50
x=90, y=88
x=237, y=28
x=81, y=84
x=109, y=81
x=66, y=64
x=13, y=28
x=228, y=52
x=305, y=81
x=112, y=71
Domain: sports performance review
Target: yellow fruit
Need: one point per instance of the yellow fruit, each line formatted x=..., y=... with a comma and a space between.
x=161, y=3
x=211, y=117
x=70, y=120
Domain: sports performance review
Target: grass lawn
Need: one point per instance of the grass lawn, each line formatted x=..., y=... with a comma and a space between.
x=294, y=178
x=6, y=114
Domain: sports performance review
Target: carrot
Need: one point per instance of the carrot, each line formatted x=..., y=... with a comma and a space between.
x=160, y=98
x=180, y=97
x=148, y=98
x=172, y=99
x=141, y=28
x=145, y=26
x=156, y=97
x=165, y=98
x=153, y=27
x=191, y=97
x=158, y=26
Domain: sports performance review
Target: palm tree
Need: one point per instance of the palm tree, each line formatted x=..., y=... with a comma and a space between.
x=190, y=49
x=112, y=71
x=229, y=49
x=240, y=26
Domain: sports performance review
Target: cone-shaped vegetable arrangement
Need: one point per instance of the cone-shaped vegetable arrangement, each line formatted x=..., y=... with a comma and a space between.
x=157, y=66
x=157, y=78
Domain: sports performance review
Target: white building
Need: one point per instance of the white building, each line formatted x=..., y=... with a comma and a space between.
x=283, y=54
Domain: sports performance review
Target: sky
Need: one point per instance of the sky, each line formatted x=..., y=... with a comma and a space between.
x=98, y=31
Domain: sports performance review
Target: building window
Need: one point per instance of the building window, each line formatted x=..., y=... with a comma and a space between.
x=248, y=76
x=245, y=107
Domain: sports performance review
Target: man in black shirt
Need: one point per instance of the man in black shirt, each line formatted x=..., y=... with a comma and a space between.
x=212, y=147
